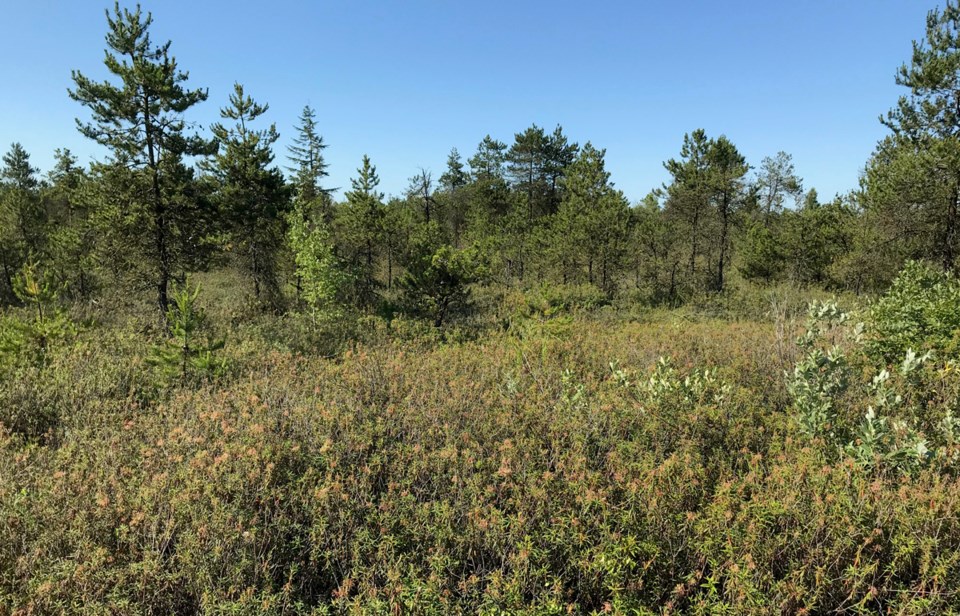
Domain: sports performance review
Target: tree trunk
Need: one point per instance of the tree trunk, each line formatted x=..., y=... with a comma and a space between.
x=159, y=213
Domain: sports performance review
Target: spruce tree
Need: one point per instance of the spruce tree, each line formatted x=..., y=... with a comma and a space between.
x=306, y=155
x=362, y=229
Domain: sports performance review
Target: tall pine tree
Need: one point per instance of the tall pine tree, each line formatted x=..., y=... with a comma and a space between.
x=252, y=194
x=141, y=120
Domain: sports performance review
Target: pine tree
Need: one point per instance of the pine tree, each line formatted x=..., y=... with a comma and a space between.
x=420, y=190
x=560, y=154
x=527, y=167
x=188, y=352
x=252, y=194
x=727, y=167
x=72, y=234
x=452, y=183
x=487, y=192
x=776, y=181
x=454, y=178
x=912, y=183
x=141, y=121
x=592, y=222
x=22, y=228
x=688, y=196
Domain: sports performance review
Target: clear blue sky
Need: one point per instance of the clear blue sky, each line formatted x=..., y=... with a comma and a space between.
x=406, y=81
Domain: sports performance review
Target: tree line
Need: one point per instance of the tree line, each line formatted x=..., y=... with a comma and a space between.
x=541, y=208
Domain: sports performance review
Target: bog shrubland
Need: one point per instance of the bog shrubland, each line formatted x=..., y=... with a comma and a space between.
x=225, y=390
x=617, y=461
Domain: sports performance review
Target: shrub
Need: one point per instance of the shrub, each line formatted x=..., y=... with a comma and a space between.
x=846, y=394
x=920, y=311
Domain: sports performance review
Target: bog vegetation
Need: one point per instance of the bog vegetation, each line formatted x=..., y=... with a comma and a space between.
x=509, y=391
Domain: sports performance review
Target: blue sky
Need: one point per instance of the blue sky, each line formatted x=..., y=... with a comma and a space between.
x=406, y=81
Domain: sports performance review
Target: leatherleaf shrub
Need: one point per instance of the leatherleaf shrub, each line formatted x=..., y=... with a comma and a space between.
x=652, y=467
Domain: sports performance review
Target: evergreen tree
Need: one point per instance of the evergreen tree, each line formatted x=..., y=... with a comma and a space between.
x=188, y=352
x=420, y=190
x=592, y=221
x=815, y=238
x=487, y=193
x=455, y=177
x=21, y=217
x=761, y=253
x=436, y=282
x=252, y=194
x=141, y=121
x=560, y=154
x=912, y=184
x=703, y=199
x=527, y=166
x=727, y=169
x=362, y=230
x=399, y=224
x=453, y=195
x=688, y=196
x=775, y=181
x=72, y=235
x=657, y=263
x=488, y=161
x=306, y=156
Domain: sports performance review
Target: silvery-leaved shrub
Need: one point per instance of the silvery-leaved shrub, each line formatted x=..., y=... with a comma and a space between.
x=883, y=392
x=822, y=374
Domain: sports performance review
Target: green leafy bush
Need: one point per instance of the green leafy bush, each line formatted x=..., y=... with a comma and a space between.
x=847, y=394
x=920, y=311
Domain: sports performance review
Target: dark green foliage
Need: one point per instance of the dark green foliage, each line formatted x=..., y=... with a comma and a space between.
x=761, y=254
x=436, y=283
x=776, y=180
x=453, y=196
x=22, y=220
x=727, y=167
x=703, y=204
x=590, y=231
x=73, y=234
x=360, y=226
x=306, y=154
x=912, y=182
x=252, y=195
x=141, y=122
